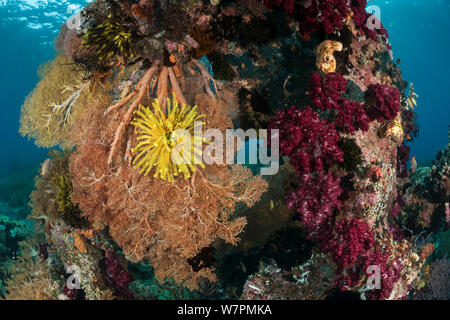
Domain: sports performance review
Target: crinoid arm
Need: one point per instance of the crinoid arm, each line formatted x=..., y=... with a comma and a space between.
x=140, y=91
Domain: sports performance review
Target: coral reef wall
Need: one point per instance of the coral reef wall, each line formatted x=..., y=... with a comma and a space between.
x=118, y=212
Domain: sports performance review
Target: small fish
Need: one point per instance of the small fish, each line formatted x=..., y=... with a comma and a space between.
x=244, y=268
x=271, y=205
x=447, y=213
x=413, y=164
x=45, y=167
x=399, y=62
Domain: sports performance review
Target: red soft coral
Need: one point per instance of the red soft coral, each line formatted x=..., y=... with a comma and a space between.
x=352, y=245
x=372, y=32
x=351, y=238
x=402, y=159
x=310, y=143
x=383, y=101
x=351, y=116
x=325, y=92
x=359, y=11
x=286, y=5
x=390, y=272
x=320, y=15
x=315, y=200
x=117, y=275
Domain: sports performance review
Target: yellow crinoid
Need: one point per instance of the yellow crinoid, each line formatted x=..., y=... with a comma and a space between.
x=167, y=139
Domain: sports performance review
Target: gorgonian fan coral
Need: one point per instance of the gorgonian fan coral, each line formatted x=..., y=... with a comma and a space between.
x=315, y=200
x=310, y=143
x=176, y=220
x=383, y=102
x=161, y=133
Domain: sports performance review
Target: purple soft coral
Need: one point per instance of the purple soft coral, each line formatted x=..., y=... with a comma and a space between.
x=117, y=275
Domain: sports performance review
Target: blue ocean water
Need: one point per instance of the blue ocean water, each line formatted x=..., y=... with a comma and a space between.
x=418, y=33
x=28, y=29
